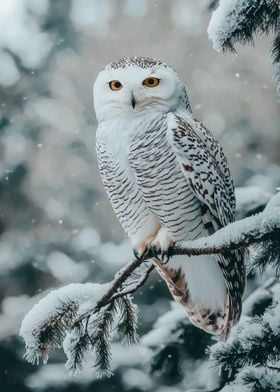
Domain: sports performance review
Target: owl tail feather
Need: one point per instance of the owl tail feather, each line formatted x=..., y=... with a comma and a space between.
x=217, y=323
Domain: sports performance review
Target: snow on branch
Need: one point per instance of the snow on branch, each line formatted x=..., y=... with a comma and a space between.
x=255, y=229
x=239, y=20
x=253, y=343
x=83, y=317
x=255, y=378
x=56, y=322
x=46, y=323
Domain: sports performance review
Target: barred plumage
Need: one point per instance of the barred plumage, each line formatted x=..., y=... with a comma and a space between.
x=168, y=181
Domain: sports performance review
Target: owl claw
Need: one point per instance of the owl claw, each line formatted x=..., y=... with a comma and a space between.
x=140, y=255
x=167, y=254
x=154, y=251
x=160, y=247
x=163, y=255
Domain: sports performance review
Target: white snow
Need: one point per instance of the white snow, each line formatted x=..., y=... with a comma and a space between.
x=17, y=147
x=269, y=379
x=135, y=8
x=163, y=327
x=136, y=378
x=13, y=310
x=274, y=201
x=249, y=198
x=50, y=306
x=115, y=255
x=185, y=16
x=272, y=317
x=21, y=32
x=221, y=25
x=9, y=73
x=86, y=240
x=65, y=269
x=93, y=14
x=256, y=226
x=55, y=375
x=257, y=295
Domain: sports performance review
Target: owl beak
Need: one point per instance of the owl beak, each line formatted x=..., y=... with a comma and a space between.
x=133, y=100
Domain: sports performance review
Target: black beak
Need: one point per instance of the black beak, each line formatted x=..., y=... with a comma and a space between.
x=133, y=100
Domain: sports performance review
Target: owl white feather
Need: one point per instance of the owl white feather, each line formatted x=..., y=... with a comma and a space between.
x=168, y=181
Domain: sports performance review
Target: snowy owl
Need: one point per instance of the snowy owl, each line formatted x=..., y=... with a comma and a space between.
x=168, y=181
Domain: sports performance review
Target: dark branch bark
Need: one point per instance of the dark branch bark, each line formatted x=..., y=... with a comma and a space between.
x=136, y=287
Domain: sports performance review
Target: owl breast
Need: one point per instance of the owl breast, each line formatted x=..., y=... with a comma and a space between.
x=146, y=187
x=161, y=182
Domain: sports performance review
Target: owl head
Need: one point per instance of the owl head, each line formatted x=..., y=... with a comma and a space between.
x=133, y=85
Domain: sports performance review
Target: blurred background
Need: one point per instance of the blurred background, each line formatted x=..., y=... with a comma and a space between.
x=56, y=224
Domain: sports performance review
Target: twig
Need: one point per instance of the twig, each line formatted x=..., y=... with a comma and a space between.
x=136, y=287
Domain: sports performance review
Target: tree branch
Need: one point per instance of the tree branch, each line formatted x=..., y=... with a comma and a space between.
x=78, y=314
x=240, y=234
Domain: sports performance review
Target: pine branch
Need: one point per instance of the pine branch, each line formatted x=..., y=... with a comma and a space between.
x=239, y=21
x=76, y=345
x=260, y=379
x=255, y=342
x=100, y=338
x=63, y=311
x=52, y=333
x=95, y=336
x=141, y=281
x=267, y=252
x=127, y=327
x=275, y=54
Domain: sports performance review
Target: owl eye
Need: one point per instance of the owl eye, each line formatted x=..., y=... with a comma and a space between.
x=115, y=85
x=151, y=82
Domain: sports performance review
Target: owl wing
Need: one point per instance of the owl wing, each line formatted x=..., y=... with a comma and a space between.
x=206, y=169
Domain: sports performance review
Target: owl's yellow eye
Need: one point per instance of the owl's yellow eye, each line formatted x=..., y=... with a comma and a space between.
x=151, y=82
x=115, y=85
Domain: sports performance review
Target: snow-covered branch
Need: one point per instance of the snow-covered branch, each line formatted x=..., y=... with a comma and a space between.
x=82, y=317
x=252, y=349
x=255, y=229
x=229, y=22
x=240, y=20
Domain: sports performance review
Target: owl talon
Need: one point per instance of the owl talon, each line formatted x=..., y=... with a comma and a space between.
x=140, y=256
x=154, y=251
x=163, y=255
x=167, y=254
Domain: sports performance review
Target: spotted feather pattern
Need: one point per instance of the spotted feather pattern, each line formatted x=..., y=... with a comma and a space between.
x=138, y=61
x=206, y=170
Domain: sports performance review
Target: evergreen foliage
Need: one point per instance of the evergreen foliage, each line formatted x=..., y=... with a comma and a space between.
x=239, y=21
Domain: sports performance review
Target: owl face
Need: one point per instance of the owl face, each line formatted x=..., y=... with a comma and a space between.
x=136, y=87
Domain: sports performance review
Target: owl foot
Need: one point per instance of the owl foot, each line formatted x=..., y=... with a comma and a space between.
x=162, y=246
x=142, y=241
x=164, y=254
x=142, y=250
x=140, y=254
